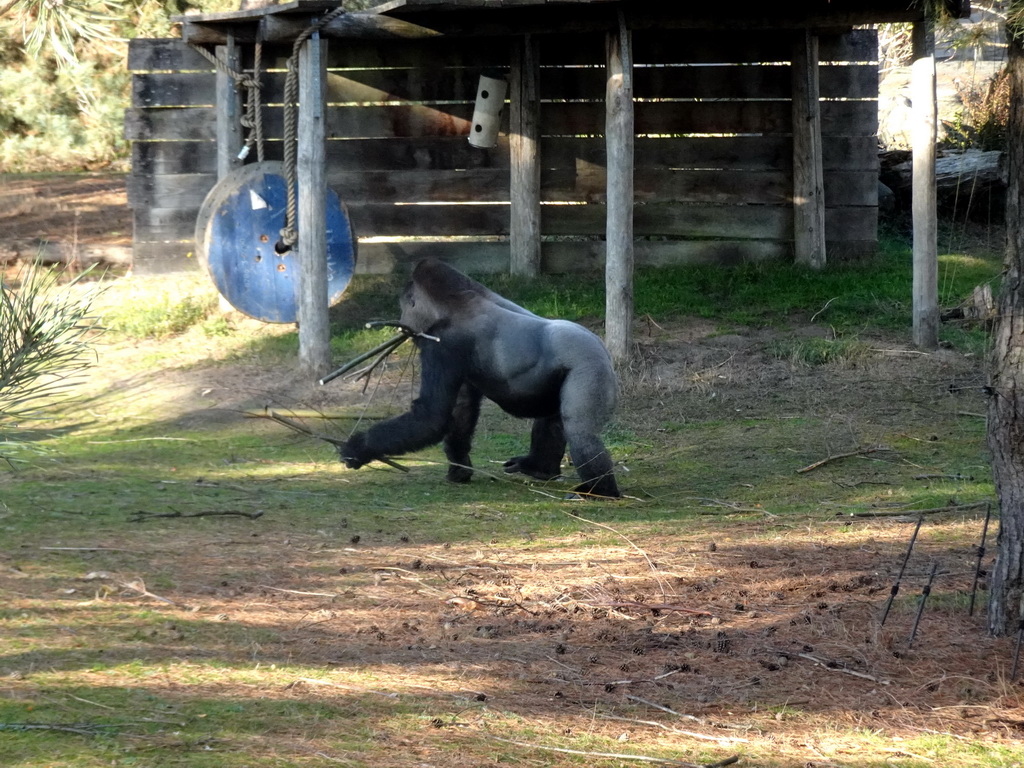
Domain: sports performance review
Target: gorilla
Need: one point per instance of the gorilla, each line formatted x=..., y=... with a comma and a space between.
x=555, y=372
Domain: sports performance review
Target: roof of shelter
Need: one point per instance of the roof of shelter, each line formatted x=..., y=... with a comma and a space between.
x=473, y=18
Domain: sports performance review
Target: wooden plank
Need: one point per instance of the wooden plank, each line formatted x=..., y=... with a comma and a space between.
x=421, y=153
x=574, y=119
x=851, y=223
x=655, y=219
x=808, y=180
x=173, y=157
x=428, y=53
x=313, y=303
x=347, y=27
x=561, y=257
x=198, y=123
x=432, y=219
x=619, y=133
x=180, y=124
x=167, y=54
x=769, y=222
x=729, y=81
x=588, y=256
x=173, y=89
x=449, y=153
x=655, y=185
x=732, y=153
x=840, y=251
x=160, y=225
x=846, y=118
x=411, y=84
x=524, y=147
x=923, y=204
x=857, y=45
x=478, y=185
x=471, y=257
x=228, y=108
x=851, y=188
x=186, y=191
x=843, y=188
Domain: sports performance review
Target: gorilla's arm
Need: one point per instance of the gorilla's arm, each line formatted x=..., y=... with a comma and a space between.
x=425, y=423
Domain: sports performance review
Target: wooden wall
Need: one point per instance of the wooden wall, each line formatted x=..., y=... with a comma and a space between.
x=713, y=148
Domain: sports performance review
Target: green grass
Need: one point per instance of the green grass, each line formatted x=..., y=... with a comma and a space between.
x=216, y=677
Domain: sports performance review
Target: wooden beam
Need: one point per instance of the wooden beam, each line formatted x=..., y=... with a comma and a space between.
x=229, y=110
x=619, y=137
x=808, y=177
x=311, y=249
x=352, y=26
x=524, y=150
x=925, y=217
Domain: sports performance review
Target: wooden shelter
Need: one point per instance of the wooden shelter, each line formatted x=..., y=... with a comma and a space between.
x=636, y=133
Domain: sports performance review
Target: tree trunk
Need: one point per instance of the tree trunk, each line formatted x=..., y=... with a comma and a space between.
x=1006, y=403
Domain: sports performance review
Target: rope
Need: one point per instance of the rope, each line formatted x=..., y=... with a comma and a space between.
x=289, y=236
x=252, y=121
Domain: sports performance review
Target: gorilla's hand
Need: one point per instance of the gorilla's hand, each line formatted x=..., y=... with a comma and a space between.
x=354, y=452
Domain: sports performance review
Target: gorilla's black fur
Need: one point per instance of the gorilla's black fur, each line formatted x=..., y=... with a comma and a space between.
x=552, y=371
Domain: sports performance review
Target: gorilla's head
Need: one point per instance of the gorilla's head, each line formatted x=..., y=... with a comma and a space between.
x=436, y=292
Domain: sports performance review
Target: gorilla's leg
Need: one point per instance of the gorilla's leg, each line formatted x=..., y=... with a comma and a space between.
x=459, y=438
x=594, y=465
x=547, y=447
x=587, y=404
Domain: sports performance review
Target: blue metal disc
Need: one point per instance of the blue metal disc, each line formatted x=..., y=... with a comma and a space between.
x=238, y=231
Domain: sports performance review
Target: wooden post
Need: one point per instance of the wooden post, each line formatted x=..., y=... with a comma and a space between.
x=314, y=328
x=808, y=178
x=619, y=224
x=925, y=216
x=229, y=110
x=524, y=148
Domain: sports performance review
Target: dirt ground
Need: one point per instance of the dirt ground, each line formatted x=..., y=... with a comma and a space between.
x=61, y=214
x=765, y=638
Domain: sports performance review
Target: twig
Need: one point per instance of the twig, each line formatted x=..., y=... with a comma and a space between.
x=83, y=729
x=836, y=666
x=906, y=512
x=729, y=507
x=647, y=606
x=297, y=592
x=140, y=516
x=86, y=549
x=629, y=541
x=240, y=488
x=327, y=438
x=639, y=700
x=815, y=315
x=680, y=731
x=139, y=586
x=837, y=456
x=314, y=681
x=654, y=679
x=387, y=347
x=604, y=755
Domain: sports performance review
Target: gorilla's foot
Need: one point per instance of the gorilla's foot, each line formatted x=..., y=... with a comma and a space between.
x=458, y=474
x=598, y=489
x=525, y=465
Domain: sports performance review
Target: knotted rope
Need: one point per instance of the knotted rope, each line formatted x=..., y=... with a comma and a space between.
x=289, y=236
x=252, y=121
